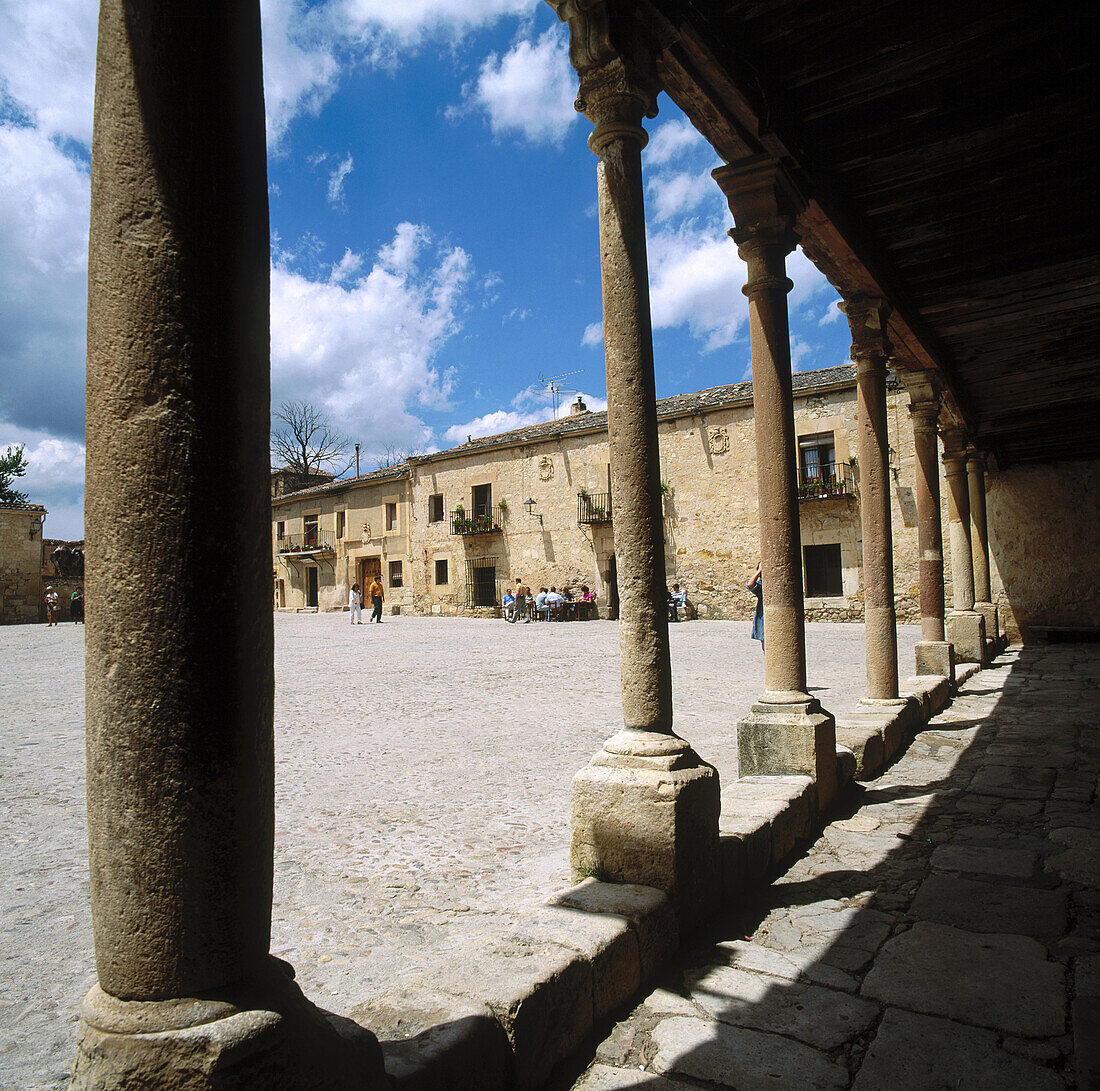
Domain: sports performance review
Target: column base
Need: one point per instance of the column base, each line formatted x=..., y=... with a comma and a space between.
x=645, y=810
x=264, y=1034
x=988, y=610
x=789, y=734
x=936, y=657
x=965, y=629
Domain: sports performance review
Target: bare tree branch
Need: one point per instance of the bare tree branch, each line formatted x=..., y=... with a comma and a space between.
x=307, y=442
x=393, y=456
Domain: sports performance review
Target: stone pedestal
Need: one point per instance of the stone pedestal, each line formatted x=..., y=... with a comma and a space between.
x=966, y=631
x=789, y=734
x=262, y=1035
x=645, y=811
x=992, y=621
x=936, y=657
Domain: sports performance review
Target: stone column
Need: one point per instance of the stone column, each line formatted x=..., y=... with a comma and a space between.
x=179, y=630
x=979, y=542
x=645, y=810
x=965, y=627
x=786, y=732
x=867, y=320
x=934, y=654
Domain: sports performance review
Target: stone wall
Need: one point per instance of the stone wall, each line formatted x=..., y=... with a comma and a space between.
x=21, y=586
x=361, y=507
x=708, y=463
x=1045, y=567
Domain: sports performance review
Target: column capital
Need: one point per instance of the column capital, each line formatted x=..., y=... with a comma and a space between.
x=763, y=200
x=924, y=399
x=975, y=460
x=954, y=450
x=617, y=69
x=867, y=319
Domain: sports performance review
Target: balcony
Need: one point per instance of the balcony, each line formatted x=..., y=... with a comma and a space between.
x=487, y=523
x=824, y=481
x=593, y=507
x=312, y=543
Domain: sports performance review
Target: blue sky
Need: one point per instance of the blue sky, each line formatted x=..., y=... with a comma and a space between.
x=433, y=225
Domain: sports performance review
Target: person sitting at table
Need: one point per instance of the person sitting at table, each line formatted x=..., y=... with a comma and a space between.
x=588, y=599
x=677, y=599
x=509, y=602
x=556, y=602
x=541, y=608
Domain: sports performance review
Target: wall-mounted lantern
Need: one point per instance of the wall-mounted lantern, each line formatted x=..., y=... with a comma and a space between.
x=529, y=504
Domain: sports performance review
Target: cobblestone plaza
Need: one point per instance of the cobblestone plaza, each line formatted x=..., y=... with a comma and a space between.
x=422, y=784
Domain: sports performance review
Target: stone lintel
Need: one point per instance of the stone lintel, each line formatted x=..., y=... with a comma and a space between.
x=936, y=657
x=265, y=1034
x=966, y=631
x=651, y=820
x=789, y=737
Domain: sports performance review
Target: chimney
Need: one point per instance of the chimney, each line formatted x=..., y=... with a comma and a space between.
x=578, y=407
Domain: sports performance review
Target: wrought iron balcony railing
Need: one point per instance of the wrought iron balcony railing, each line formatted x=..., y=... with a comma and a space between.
x=825, y=480
x=314, y=541
x=463, y=523
x=593, y=507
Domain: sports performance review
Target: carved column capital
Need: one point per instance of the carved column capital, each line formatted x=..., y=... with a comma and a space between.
x=954, y=450
x=975, y=460
x=924, y=399
x=617, y=67
x=867, y=319
x=765, y=206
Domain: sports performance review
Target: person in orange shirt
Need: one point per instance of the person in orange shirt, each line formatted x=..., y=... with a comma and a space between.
x=376, y=597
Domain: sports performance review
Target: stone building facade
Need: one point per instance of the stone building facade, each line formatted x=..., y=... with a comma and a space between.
x=21, y=586
x=448, y=530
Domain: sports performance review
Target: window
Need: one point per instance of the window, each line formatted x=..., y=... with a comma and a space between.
x=483, y=501
x=824, y=576
x=311, y=534
x=816, y=458
x=340, y=517
x=441, y=571
x=435, y=508
x=481, y=582
x=280, y=530
x=391, y=517
x=395, y=573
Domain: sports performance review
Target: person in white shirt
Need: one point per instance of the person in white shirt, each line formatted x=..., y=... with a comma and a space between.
x=355, y=603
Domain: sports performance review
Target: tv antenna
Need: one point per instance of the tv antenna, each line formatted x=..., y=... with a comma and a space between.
x=555, y=389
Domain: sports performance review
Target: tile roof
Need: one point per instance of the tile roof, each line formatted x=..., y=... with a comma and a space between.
x=679, y=405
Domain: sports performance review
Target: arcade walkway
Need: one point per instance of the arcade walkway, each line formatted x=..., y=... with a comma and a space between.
x=944, y=932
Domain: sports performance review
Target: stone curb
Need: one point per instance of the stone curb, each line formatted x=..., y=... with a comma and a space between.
x=511, y=1010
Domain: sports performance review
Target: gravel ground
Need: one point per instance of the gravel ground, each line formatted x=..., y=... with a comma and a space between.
x=422, y=791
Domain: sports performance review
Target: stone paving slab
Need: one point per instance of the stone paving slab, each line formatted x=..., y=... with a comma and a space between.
x=419, y=805
x=922, y=1053
x=981, y=971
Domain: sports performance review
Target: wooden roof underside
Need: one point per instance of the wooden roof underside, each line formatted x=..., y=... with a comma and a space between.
x=947, y=153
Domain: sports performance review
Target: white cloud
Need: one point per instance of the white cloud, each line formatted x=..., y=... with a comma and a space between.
x=832, y=314
x=336, y=181
x=695, y=280
x=47, y=61
x=677, y=194
x=528, y=92
x=671, y=139
x=54, y=478
x=593, y=334
x=363, y=346
x=44, y=210
x=412, y=21
x=503, y=420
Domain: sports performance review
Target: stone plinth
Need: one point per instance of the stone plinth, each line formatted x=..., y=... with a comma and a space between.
x=936, y=657
x=966, y=631
x=789, y=735
x=265, y=1034
x=988, y=610
x=648, y=814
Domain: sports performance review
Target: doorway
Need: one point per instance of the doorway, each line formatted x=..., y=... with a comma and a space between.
x=612, y=589
x=370, y=568
x=485, y=586
x=311, y=587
